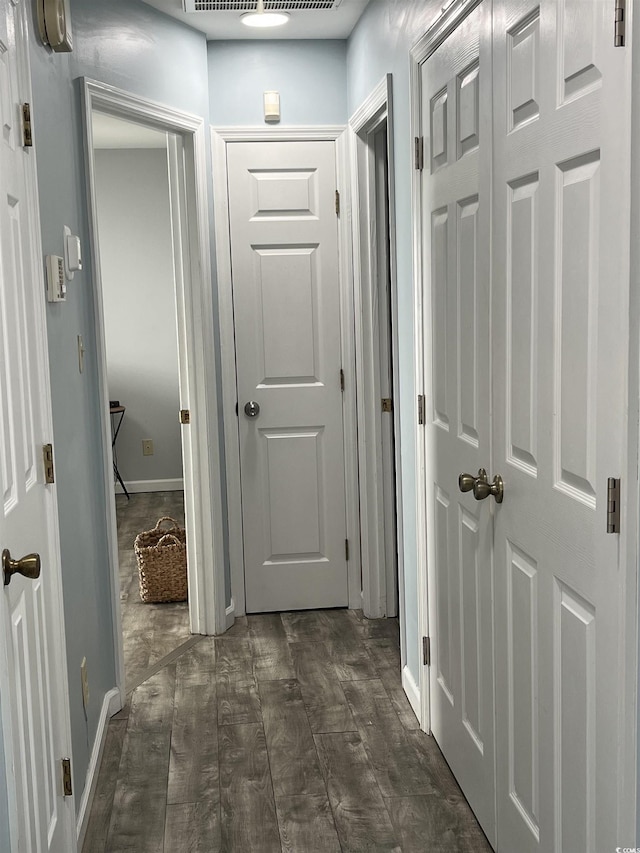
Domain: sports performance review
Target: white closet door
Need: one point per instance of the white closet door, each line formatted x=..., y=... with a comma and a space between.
x=560, y=366
x=456, y=192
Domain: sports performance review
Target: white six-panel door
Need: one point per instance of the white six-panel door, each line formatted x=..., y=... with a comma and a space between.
x=456, y=82
x=286, y=298
x=33, y=669
x=560, y=370
x=546, y=342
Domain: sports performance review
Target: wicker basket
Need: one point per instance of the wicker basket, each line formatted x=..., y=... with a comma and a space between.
x=162, y=562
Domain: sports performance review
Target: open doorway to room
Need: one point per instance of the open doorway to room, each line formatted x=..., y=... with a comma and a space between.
x=141, y=345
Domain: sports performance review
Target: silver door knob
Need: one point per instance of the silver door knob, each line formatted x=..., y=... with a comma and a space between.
x=482, y=490
x=251, y=409
x=466, y=482
x=28, y=566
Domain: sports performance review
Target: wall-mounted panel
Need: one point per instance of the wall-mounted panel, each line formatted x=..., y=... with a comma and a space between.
x=439, y=288
x=523, y=690
x=470, y=623
x=467, y=265
x=289, y=299
x=523, y=63
x=577, y=67
x=575, y=716
x=293, y=495
x=522, y=320
x=577, y=275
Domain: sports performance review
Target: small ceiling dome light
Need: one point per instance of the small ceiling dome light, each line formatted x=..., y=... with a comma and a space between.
x=260, y=18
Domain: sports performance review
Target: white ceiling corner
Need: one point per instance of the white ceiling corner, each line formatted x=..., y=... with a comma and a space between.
x=336, y=23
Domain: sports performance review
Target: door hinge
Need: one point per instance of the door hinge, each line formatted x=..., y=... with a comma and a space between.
x=27, y=135
x=185, y=416
x=613, y=505
x=387, y=404
x=337, y=203
x=341, y=379
x=619, y=23
x=419, y=152
x=47, y=458
x=426, y=651
x=346, y=550
x=421, y=406
x=67, y=786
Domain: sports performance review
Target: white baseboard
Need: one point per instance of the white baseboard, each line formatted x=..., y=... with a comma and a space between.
x=230, y=613
x=412, y=690
x=135, y=487
x=111, y=704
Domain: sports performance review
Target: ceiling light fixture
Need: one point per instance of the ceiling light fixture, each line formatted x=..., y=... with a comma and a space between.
x=260, y=18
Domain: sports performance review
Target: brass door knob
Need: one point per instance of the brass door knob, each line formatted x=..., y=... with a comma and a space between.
x=482, y=489
x=28, y=566
x=466, y=482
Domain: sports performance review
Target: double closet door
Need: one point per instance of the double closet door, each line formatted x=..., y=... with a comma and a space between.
x=525, y=210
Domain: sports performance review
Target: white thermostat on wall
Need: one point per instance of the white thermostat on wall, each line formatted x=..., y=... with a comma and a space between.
x=56, y=279
x=54, y=23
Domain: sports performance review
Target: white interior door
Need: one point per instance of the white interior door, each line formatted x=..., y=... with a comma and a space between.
x=33, y=667
x=456, y=193
x=284, y=254
x=560, y=356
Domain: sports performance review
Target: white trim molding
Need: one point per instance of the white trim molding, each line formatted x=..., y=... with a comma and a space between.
x=221, y=137
x=412, y=690
x=197, y=355
x=136, y=487
x=111, y=704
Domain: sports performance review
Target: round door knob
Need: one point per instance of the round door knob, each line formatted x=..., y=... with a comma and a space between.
x=466, y=482
x=251, y=409
x=28, y=566
x=482, y=490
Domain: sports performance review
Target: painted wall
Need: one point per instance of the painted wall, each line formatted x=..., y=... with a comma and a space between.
x=130, y=45
x=311, y=77
x=379, y=44
x=132, y=187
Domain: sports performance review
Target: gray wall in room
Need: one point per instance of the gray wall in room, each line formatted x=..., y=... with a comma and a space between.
x=311, y=77
x=130, y=45
x=379, y=44
x=132, y=188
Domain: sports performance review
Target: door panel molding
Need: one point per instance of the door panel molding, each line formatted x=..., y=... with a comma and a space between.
x=221, y=137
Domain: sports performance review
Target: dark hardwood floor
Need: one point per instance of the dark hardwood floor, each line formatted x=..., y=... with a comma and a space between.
x=289, y=733
x=150, y=631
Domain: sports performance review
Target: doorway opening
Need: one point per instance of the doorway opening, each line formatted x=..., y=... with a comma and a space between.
x=154, y=328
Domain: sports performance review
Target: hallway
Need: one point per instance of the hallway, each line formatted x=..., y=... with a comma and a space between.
x=289, y=733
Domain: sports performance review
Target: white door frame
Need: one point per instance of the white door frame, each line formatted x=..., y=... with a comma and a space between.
x=220, y=138
x=628, y=635
x=197, y=355
x=376, y=576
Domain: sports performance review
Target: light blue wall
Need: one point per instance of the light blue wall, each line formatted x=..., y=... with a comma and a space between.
x=380, y=44
x=311, y=77
x=129, y=45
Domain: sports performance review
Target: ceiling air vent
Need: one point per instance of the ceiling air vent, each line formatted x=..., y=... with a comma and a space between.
x=250, y=5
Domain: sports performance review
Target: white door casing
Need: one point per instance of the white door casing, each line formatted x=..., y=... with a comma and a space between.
x=456, y=192
x=560, y=328
x=33, y=674
x=286, y=297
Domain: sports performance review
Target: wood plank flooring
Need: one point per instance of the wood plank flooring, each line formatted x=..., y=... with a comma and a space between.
x=290, y=733
x=150, y=631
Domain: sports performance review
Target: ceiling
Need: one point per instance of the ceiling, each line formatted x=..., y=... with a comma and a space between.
x=110, y=132
x=335, y=23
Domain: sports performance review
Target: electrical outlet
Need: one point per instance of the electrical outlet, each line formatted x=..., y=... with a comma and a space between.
x=84, y=678
x=147, y=447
